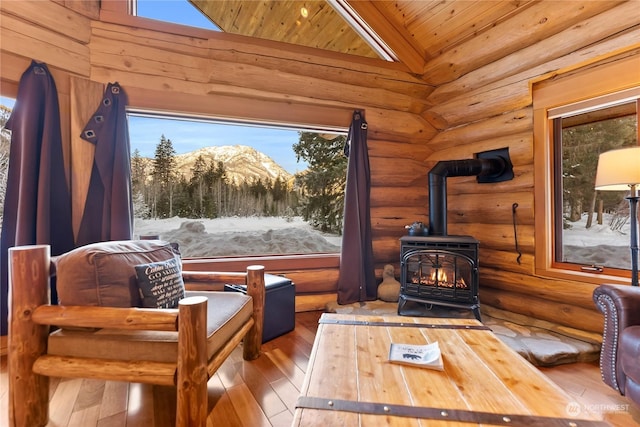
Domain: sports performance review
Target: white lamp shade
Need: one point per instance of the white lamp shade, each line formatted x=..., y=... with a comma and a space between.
x=618, y=169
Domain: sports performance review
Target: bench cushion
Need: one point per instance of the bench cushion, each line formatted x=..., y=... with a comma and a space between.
x=103, y=274
x=227, y=312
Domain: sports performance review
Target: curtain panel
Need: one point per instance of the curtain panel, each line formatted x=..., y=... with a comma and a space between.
x=356, y=281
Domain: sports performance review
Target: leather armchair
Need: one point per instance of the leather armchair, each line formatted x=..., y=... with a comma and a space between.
x=620, y=351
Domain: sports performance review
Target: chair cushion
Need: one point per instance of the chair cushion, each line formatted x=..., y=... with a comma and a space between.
x=104, y=274
x=160, y=283
x=226, y=313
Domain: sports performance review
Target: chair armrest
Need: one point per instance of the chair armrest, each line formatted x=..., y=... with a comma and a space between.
x=620, y=305
x=153, y=319
x=253, y=278
x=256, y=290
x=621, y=301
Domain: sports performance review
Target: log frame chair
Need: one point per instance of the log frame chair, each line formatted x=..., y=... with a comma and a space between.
x=31, y=316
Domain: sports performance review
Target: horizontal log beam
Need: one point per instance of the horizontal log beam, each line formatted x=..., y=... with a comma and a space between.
x=577, y=293
x=552, y=311
x=509, y=261
x=27, y=40
x=491, y=208
x=159, y=373
x=136, y=57
x=519, y=145
x=520, y=31
x=107, y=317
x=484, y=103
x=510, y=123
x=416, y=150
x=399, y=198
x=557, y=49
x=50, y=16
x=497, y=236
x=393, y=172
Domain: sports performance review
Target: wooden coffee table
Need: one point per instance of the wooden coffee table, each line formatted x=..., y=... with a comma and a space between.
x=350, y=382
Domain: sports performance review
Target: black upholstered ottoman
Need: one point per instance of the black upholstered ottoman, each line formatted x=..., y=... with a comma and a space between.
x=279, y=305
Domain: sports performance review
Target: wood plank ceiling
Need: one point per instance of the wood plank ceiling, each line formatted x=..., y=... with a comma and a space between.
x=307, y=23
x=415, y=30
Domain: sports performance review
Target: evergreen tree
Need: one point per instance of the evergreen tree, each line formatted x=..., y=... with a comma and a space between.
x=323, y=183
x=164, y=175
x=138, y=185
x=140, y=208
x=581, y=145
x=216, y=180
x=197, y=181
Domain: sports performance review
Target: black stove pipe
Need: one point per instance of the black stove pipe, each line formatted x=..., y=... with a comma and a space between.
x=438, y=185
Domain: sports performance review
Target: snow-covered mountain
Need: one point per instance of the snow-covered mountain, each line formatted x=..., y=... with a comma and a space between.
x=241, y=163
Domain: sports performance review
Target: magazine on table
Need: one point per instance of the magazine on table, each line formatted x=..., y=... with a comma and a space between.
x=427, y=355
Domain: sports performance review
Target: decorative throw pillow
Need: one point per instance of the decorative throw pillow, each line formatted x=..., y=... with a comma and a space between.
x=160, y=283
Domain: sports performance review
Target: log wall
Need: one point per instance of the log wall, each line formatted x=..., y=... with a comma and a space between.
x=194, y=71
x=485, y=99
x=473, y=99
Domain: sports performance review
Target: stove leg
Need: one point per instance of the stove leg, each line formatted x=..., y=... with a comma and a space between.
x=476, y=312
x=401, y=302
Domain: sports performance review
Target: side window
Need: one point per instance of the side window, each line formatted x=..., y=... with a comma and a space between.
x=591, y=227
x=237, y=189
x=580, y=233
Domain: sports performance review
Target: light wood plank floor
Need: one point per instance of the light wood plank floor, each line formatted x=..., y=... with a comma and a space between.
x=262, y=392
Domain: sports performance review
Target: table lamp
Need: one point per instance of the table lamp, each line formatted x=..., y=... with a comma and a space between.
x=619, y=170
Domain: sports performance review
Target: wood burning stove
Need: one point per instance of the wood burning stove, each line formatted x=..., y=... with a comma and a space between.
x=439, y=270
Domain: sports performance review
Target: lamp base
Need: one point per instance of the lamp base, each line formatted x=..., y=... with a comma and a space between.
x=633, y=213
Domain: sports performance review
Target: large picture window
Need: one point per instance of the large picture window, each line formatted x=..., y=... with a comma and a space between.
x=223, y=188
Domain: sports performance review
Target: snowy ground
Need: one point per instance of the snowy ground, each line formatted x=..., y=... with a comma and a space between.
x=598, y=245
x=240, y=236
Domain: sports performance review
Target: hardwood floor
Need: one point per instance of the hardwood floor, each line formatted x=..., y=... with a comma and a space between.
x=262, y=392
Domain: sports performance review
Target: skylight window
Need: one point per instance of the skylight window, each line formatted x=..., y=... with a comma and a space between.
x=330, y=25
x=176, y=11
x=363, y=29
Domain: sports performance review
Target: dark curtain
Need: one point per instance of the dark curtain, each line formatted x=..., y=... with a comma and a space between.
x=357, y=280
x=37, y=207
x=108, y=212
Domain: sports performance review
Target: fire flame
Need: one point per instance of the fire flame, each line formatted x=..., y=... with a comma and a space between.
x=439, y=275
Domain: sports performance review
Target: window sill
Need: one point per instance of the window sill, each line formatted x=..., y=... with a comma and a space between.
x=582, y=276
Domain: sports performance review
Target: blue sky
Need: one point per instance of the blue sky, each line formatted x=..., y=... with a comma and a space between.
x=188, y=136
x=178, y=11
x=145, y=133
